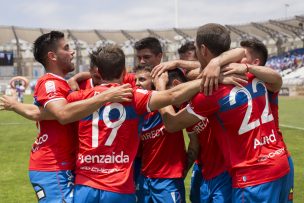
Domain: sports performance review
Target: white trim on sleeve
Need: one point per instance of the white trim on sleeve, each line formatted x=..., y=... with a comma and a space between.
x=53, y=100
x=190, y=110
x=148, y=108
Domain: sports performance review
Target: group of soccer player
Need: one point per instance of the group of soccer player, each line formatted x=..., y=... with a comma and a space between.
x=112, y=136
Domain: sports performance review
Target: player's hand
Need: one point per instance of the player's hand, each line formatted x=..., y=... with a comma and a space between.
x=234, y=68
x=234, y=79
x=210, y=77
x=160, y=82
x=163, y=67
x=7, y=102
x=73, y=84
x=121, y=93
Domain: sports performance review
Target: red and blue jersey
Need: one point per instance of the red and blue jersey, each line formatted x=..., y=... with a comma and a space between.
x=108, y=141
x=274, y=105
x=245, y=131
x=163, y=153
x=210, y=157
x=55, y=146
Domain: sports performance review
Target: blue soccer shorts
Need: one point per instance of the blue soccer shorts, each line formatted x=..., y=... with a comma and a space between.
x=169, y=190
x=270, y=192
x=86, y=194
x=196, y=179
x=53, y=187
x=217, y=189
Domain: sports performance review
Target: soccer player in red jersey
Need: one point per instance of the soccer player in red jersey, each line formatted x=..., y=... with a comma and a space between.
x=256, y=54
x=108, y=139
x=53, y=154
x=163, y=154
x=255, y=155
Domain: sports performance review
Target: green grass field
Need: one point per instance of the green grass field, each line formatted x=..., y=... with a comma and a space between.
x=18, y=134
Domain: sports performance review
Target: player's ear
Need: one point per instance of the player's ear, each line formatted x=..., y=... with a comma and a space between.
x=204, y=50
x=51, y=56
x=256, y=62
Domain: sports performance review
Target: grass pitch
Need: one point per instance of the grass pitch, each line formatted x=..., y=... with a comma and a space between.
x=18, y=134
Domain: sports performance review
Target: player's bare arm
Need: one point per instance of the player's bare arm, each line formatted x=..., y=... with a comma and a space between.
x=170, y=65
x=210, y=74
x=160, y=84
x=193, y=150
x=271, y=77
x=174, y=96
x=69, y=112
x=73, y=81
x=29, y=111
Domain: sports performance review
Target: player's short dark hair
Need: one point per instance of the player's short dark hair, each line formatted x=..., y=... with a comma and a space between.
x=188, y=46
x=110, y=61
x=215, y=37
x=45, y=43
x=140, y=67
x=176, y=74
x=258, y=48
x=151, y=43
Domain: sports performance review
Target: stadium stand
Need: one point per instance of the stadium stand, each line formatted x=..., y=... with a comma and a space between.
x=280, y=36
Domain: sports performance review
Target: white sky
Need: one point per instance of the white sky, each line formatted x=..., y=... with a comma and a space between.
x=141, y=14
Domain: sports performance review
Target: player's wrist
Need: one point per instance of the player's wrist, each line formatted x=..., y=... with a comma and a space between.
x=247, y=68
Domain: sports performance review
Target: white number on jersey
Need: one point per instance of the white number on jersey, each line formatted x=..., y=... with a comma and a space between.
x=265, y=117
x=114, y=125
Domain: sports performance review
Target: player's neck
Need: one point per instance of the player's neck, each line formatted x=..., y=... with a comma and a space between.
x=56, y=71
x=118, y=81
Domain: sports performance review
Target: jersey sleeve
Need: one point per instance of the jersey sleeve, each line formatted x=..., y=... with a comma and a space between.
x=76, y=96
x=202, y=106
x=141, y=99
x=50, y=90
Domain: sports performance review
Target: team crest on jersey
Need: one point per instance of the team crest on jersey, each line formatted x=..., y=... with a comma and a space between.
x=50, y=86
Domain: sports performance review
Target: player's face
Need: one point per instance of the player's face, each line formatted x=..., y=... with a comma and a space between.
x=64, y=56
x=97, y=80
x=188, y=56
x=143, y=80
x=249, y=58
x=147, y=57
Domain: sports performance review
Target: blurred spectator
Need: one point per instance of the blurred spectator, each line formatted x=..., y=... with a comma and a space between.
x=187, y=51
x=291, y=60
x=20, y=89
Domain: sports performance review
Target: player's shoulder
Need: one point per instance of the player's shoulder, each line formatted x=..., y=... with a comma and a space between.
x=50, y=78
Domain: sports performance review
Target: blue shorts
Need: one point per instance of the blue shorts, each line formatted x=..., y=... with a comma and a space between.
x=287, y=193
x=217, y=189
x=271, y=192
x=53, y=187
x=161, y=190
x=86, y=194
x=196, y=179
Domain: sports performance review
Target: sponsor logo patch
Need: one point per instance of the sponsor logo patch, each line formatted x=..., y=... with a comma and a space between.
x=50, y=86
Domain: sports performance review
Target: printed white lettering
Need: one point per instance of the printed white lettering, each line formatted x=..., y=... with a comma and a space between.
x=264, y=140
x=39, y=141
x=107, y=159
x=153, y=134
x=198, y=128
x=272, y=154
